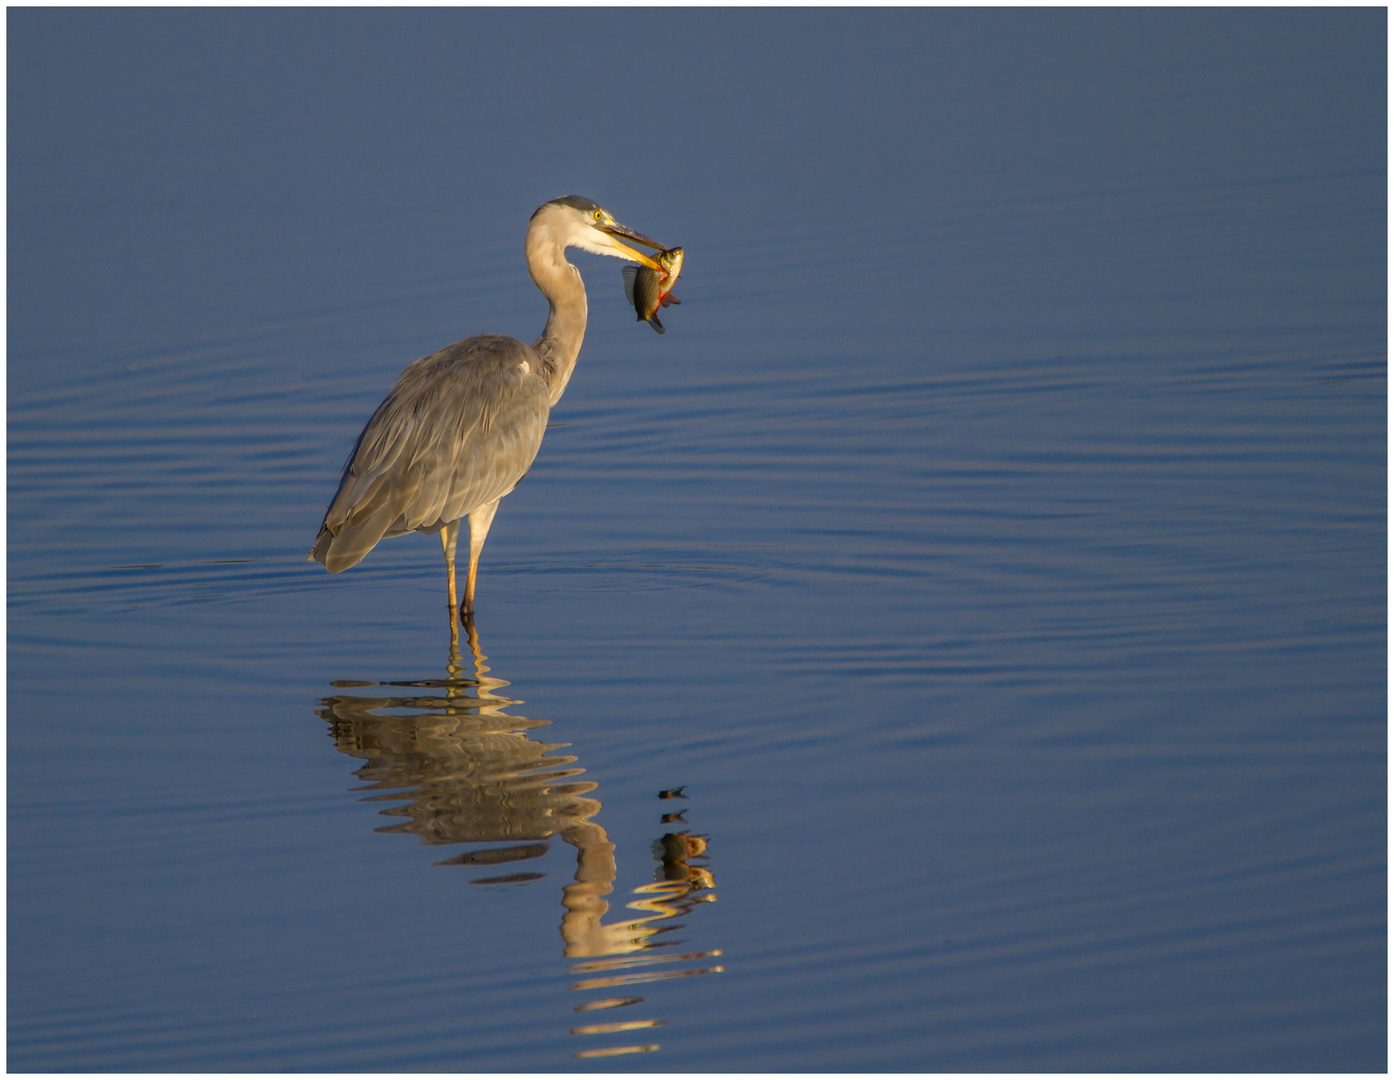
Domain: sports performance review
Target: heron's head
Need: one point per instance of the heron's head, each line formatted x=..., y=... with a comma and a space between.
x=573, y=221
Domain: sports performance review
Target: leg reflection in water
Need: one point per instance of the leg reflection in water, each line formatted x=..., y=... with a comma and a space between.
x=469, y=773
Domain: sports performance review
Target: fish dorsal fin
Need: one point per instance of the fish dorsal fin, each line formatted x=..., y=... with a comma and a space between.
x=630, y=273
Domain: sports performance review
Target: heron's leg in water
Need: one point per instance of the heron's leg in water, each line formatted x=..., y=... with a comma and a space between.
x=448, y=537
x=480, y=520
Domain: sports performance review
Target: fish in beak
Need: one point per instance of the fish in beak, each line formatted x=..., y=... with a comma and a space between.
x=648, y=289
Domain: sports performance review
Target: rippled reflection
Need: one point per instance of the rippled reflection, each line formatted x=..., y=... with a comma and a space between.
x=470, y=773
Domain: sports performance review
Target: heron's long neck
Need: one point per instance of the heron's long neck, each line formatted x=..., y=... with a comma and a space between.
x=561, y=338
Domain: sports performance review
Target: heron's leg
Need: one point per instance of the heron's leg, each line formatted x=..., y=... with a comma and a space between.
x=449, y=535
x=480, y=520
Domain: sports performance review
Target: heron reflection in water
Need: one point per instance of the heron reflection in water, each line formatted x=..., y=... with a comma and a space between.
x=469, y=773
x=462, y=426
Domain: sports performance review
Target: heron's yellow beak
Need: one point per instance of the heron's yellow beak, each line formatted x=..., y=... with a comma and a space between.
x=615, y=229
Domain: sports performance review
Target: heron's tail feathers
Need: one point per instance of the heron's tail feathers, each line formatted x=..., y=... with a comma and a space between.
x=338, y=550
x=320, y=551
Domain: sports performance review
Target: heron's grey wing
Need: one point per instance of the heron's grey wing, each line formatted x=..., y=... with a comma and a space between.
x=459, y=429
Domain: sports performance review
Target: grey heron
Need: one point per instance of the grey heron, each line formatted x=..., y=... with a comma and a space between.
x=461, y=427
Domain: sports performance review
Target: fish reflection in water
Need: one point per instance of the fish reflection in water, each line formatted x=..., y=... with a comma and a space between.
x=469, y=773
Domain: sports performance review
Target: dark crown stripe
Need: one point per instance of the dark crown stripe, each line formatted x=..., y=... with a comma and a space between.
x=577, y=202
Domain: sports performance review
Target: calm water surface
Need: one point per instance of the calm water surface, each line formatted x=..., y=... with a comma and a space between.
x=957, y=644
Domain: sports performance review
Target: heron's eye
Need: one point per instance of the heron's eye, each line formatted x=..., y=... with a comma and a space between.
x=600, y=215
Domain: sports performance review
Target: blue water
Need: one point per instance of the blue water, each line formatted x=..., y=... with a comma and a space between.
x=958, y=644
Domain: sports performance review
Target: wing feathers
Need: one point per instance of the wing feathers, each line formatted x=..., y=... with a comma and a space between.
x=458, y=430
